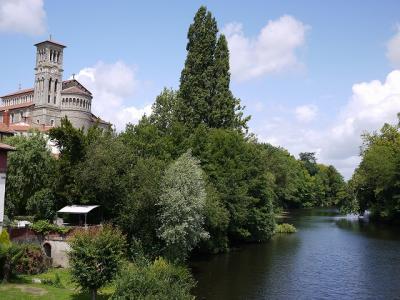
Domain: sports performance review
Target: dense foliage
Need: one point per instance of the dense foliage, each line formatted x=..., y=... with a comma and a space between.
x=157, y=280
x=30, y=169
x=45, y=227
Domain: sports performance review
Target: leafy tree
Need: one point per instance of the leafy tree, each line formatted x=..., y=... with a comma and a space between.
x=376, y=182
x=139, y=215
x=30, y=169
x=95, y=257
x=71, y=143
x=163, y=114
x=310, y=162
x=42, y=205
x=182, y=205
x=157, y=280
x=103, y=174
x=235, y=167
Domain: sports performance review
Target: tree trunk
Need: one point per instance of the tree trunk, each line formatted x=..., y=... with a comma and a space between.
x=94, y=294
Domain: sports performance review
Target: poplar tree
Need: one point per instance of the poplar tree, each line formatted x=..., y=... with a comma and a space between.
x=222, y=105
x=197, y=77
x=204, y=95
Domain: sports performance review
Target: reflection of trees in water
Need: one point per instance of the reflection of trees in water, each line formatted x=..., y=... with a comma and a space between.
x=370, y=229
x=247, y=271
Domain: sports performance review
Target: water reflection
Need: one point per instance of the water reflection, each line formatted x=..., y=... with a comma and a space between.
x=331, y=257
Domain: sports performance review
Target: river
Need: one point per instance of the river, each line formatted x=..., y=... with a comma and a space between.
x=330, y=257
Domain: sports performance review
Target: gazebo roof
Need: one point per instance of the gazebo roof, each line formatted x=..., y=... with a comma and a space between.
x=77, y=209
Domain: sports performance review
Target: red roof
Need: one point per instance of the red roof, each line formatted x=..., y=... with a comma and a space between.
x=24, y=91
x=15, y=106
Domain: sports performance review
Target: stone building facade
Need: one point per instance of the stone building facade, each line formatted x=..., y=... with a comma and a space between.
x=51, y=98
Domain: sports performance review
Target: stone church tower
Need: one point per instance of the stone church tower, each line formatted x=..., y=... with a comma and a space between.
x=50, y=99
x=48, y=83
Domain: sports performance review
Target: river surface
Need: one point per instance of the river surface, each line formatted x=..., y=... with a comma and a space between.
x=330, y=257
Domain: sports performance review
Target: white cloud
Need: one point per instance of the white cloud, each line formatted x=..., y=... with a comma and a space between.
x=273, y=50
x=306, y=113
x=371, y=105
x=22, y=16
x=132, y=114
x=113, y=86
x=393, y=49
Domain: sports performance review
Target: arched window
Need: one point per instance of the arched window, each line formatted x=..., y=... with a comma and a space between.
x=51, y=122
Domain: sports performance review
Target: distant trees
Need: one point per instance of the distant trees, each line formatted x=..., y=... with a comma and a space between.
x=95, y=257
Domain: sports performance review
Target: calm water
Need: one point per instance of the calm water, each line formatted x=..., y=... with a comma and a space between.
x=330, y=257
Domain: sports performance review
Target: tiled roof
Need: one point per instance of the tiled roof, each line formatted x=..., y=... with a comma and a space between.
x=75, y=90
x=20, y=92
x=15, y=106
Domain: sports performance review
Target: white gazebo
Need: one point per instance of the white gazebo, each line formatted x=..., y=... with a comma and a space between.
x=77, y=210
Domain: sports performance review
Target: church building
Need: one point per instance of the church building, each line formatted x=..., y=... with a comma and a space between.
x=52, y=98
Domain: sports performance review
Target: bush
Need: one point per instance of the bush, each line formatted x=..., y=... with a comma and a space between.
x=285, y=228
x=157, y=280
x=32, y=260
x=45, y=227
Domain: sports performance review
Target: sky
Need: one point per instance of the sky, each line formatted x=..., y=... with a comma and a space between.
x=314, y=75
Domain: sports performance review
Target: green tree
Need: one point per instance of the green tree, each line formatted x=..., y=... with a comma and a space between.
x=30, y=169
x=95, y=257
x=42, y=205
x=309, y=161
x=102, y=177
x=197, y=77
x=163, y=114
x=182, y=205
x=225, y=110
x=71, y=144
x=376, y=182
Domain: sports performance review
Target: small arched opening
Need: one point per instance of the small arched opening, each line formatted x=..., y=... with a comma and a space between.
x=47, y=249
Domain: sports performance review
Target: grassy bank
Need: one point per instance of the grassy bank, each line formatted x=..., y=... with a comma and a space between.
x=23, y=288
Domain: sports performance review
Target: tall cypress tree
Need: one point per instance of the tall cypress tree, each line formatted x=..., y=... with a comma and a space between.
x=197, y=77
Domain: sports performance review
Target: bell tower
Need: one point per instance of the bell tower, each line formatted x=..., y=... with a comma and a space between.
x=48, y=82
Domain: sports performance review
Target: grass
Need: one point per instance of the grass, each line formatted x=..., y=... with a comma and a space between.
x=285, y=228
x=22, y=288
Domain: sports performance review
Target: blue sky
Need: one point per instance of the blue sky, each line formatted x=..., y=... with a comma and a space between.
x=313, y=74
